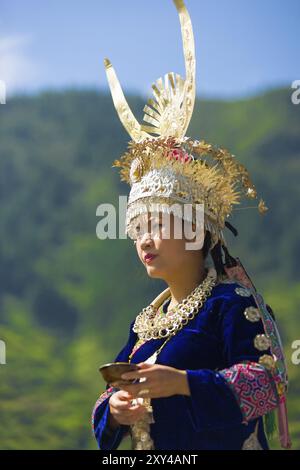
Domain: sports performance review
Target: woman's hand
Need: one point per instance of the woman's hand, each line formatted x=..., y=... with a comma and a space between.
x=161, y=381
x=121, y=409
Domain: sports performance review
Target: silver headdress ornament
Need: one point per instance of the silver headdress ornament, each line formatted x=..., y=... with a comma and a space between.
x=166, y=169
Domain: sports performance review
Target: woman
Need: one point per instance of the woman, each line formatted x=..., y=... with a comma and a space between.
x=196, y=403
x=209, y=354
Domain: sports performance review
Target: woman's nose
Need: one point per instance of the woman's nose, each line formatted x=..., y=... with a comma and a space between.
x=146, y=240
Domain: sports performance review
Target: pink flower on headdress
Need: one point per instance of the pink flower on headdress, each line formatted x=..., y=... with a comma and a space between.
x=180, y=155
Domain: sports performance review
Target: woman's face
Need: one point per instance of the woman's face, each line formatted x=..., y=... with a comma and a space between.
x=171, y=255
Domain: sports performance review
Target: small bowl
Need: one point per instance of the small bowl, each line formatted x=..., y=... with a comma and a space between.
x=112, y=372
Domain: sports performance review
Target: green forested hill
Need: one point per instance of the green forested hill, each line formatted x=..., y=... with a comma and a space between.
x=66, y=297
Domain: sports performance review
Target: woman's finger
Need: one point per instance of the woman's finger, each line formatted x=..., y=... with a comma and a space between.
x=137, y=374
x=123, y=395
x=122, y=405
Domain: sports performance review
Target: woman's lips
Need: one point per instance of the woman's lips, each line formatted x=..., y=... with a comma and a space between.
x=149, y=258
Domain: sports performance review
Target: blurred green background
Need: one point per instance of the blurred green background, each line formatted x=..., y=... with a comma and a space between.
x=67, y=298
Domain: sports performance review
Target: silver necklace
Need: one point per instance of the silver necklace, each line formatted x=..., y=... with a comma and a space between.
x=148, y=325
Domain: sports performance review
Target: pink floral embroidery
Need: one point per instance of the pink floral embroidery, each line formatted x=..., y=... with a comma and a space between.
x=108, y=392
x=179, y=154
x=254, y=389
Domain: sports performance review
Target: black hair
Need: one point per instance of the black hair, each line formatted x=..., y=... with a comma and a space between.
x=216, y=252
x=206, y=244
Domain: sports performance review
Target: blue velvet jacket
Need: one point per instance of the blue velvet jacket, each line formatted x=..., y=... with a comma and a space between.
x=230, y=391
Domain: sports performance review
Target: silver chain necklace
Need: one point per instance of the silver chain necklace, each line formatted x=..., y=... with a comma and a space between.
x=148, y=325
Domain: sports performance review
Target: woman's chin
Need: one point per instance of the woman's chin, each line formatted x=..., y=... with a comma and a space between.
x=152, y=271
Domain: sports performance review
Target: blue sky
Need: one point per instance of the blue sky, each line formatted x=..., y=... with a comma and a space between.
x=242, y=46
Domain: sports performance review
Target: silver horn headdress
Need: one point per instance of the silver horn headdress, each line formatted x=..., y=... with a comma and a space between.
x=164, y=167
